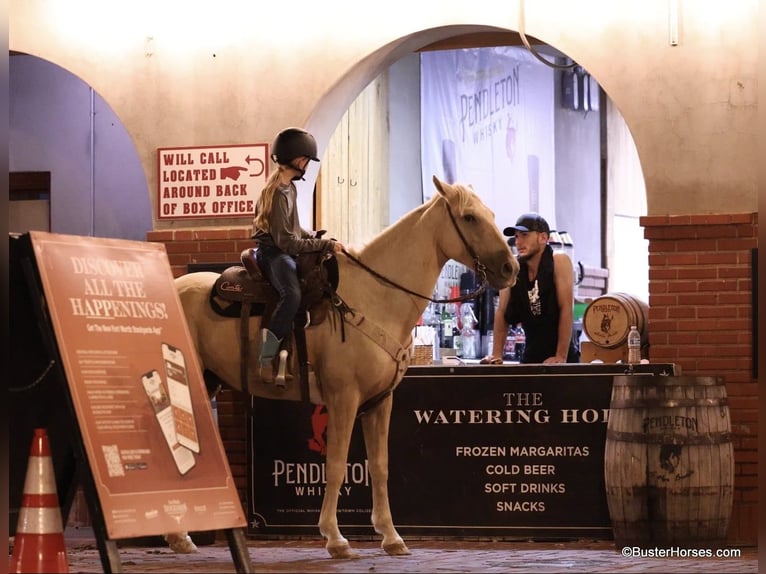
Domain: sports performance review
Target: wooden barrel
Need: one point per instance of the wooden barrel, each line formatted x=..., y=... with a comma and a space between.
x=607, y=319
x=669, y=461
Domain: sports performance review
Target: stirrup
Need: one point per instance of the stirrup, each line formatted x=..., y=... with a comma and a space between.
x=280, y=380
x=269, y=347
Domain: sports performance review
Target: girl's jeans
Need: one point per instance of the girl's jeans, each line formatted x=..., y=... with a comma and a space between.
x=281, y=271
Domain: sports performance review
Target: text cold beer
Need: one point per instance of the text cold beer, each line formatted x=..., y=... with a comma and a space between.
x=514, y=469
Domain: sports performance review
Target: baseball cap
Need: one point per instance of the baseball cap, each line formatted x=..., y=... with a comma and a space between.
x=528, y=222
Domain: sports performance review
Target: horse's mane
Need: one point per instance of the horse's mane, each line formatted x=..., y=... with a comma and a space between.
x=464, y=194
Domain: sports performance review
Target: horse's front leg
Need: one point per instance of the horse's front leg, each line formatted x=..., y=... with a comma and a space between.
x=375, y=425
x=340, y=424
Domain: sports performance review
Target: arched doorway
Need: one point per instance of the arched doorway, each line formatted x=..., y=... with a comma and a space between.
x=372, y=162
x=59, y=125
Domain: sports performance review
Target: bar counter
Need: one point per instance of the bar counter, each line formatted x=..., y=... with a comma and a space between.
x=503, y=451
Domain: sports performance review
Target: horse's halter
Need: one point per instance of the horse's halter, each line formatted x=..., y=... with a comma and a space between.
x=479, y=268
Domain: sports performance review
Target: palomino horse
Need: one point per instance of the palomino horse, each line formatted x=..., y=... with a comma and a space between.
x=385, y=286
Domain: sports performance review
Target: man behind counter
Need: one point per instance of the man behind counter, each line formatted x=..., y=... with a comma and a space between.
x=542, y=299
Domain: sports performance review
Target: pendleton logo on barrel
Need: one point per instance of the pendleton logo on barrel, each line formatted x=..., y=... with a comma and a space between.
x=607, y=319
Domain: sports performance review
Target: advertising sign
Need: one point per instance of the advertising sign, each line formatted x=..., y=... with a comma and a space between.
x=137, y=388
x=487, y=114
x=473, y=451
x=210, y=182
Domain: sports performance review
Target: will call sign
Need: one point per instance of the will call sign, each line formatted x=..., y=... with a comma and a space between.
x=213, y=181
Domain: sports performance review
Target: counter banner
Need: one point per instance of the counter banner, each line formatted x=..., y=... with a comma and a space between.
x=473, y=451
x=286, y=460
x=515, y=456
x=136, y=386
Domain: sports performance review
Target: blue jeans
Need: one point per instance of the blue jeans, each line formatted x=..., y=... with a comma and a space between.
x=281, y=271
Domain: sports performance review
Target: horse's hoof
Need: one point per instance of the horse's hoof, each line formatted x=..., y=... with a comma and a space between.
x=181, y=543
x=341, y=551
x=396, y=549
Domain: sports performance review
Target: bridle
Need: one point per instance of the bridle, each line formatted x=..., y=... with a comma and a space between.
x=478, y=267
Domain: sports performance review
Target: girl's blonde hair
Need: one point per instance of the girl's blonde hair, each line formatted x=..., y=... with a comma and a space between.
x=263, y=205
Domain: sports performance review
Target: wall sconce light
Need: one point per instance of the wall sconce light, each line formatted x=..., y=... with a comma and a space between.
x=673, y=22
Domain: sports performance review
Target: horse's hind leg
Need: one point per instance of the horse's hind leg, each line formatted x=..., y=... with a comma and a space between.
x=375, y=425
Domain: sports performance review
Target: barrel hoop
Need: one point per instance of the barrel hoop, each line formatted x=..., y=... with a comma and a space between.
x=646, y=490
x=667, y=403
x=643, y=438
x=709, y=490
x=665, y=381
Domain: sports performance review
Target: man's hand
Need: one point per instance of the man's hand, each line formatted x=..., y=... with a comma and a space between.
x=491, y=360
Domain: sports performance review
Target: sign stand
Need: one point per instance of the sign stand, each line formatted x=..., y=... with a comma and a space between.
x=193, y=501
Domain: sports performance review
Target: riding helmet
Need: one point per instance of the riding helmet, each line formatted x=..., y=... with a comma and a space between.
x=291, y=143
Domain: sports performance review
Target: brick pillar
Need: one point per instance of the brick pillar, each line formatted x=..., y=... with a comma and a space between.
x=204, y=245
x=701, y=318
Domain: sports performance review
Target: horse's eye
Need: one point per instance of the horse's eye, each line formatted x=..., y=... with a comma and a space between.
x=469, y=217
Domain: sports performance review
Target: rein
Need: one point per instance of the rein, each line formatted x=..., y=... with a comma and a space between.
x=479, y=269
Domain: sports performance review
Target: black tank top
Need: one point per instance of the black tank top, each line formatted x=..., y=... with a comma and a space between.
x=533, y=304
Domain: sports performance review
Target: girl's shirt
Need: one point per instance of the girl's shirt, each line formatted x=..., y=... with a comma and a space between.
x=286, y=232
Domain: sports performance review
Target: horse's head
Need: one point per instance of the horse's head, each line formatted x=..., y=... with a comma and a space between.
x=471, y=236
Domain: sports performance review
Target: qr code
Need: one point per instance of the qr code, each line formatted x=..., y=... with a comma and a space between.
x=113, y=462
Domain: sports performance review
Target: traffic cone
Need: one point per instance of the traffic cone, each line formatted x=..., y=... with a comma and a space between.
x=39, y=543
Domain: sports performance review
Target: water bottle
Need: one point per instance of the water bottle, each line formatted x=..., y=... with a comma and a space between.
x=509, y=353
x=520, y=343
x=634, y=346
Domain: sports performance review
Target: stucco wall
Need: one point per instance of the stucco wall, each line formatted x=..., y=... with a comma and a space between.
x=242, y=70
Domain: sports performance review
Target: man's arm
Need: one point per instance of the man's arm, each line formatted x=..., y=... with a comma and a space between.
x=563, y=277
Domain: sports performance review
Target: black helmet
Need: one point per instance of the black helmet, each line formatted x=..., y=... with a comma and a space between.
x=291, y=143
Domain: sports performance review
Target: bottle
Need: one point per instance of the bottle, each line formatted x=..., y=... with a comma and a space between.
x=431, y=319
x=509, y=348
x=447, y=324
x=467, y=334
x=634, y=346
x=520, y=343
x=457, y=341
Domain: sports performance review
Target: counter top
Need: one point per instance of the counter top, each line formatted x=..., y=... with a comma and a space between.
x=514, y=369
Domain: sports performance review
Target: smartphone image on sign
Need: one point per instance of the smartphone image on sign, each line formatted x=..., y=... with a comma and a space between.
x=180, y=397
x=160, y=401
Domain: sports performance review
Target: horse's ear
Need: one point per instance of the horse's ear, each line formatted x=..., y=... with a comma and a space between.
x=441, y=187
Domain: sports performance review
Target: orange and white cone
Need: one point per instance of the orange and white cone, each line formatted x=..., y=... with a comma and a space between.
x=39, y=542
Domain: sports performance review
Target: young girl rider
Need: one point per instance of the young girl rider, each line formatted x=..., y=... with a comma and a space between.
x=279, y=235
